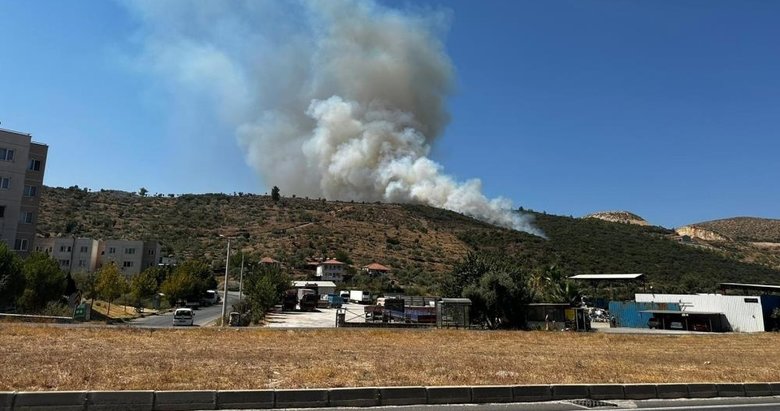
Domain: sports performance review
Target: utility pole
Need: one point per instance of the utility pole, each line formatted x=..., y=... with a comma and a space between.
x=241, y=279
x=225, y=296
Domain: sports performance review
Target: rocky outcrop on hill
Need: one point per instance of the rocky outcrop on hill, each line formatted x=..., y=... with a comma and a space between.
x=745, y=228
x=624, y=217
x=700, y=233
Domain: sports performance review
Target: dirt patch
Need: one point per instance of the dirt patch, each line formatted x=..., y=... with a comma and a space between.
x=41, y=357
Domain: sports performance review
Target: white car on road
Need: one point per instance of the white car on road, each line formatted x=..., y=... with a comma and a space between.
x=183, y=316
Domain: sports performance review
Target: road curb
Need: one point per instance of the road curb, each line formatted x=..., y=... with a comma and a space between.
x=758, y=389
x=640, y=391
x=353, y=397
x=185, y=400
x=6, y=400
x=455, y=394
x=50, y=400
x=238, y=399
x=112, y=400
x=702, y=390
x=532, y=393
x=570, y=392
x=367, y=396
x=492, y=394
x=669, y=391
x=731, y=390
x=306, y=398
x=607, y=392
x=403, y=395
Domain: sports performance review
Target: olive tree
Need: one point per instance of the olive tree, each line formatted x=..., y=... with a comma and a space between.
x=111, y=284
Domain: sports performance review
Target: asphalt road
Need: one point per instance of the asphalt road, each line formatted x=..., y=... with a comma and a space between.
x=203, y=315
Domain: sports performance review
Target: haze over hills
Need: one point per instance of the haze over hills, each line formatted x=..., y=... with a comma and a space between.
x=420, y=243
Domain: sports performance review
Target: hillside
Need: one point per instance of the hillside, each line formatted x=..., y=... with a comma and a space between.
x=744, y=228
x=748, y=239
x=419, y=243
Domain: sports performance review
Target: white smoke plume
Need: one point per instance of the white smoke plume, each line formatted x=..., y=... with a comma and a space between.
x=337, y=99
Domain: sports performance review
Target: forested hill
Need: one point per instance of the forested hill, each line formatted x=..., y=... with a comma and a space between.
x=419, y=243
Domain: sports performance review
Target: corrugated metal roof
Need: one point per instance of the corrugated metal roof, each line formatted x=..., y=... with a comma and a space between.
x=317, y=283
x=606, y=276
x=456, y=300
x=680, y=312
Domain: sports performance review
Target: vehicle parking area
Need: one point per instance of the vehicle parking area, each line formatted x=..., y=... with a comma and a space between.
x=319, y=318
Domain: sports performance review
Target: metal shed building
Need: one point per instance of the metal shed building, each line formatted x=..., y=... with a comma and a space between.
x=742, y=313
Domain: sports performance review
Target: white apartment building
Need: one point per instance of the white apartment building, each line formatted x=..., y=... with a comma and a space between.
x=22, y=164
x=331, y=270
x=131, y=256
x=73, y=254
x=87, y=255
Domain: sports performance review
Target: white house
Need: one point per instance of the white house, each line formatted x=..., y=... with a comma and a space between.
x=331, y=270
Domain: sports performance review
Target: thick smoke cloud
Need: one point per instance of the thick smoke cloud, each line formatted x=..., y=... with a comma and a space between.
x=339, y=99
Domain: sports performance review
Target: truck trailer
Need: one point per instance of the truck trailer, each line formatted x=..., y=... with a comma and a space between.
x=360, y=296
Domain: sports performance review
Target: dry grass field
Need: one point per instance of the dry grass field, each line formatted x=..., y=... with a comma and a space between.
x=36, y=357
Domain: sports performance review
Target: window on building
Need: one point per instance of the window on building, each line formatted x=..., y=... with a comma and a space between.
x=112, y=250
x=6, y=154
x=65, y=263
x=35, y=165
x=62, y=248
x=151, y=251
x=5, y=183
x=20, y=244
x=30, y=191
x=129, y=250
x=84, y=249
x=82, y=263
x=127, y=264
x=2, y=211
x=26, y=217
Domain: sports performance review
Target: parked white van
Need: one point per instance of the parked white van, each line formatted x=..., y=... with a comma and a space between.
x=183, y=316
x=210, y=297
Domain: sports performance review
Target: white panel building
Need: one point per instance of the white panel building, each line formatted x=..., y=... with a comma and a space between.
x=87, y=255
x=743, y=313
x=73, y=254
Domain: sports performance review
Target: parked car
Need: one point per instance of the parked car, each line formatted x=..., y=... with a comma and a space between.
x=183, y=317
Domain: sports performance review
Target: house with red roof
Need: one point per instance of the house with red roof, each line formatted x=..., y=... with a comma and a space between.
x=270, y=261
x=331, y=270
x=376, y=269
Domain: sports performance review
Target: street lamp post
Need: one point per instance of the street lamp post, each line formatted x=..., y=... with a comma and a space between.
x=225, y=297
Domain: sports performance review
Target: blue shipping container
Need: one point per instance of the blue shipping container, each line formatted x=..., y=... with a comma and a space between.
x=768, y=304
x=628, y=313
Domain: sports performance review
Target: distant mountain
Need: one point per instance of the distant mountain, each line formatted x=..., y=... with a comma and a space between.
x=624, y=217
x=419, y=243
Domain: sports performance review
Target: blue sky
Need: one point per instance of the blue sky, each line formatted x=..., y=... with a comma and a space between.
x=670, y=110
